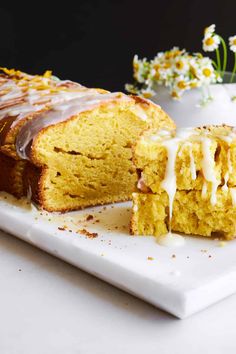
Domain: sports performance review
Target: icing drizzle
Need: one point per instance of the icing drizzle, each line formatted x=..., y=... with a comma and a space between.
x=174, y=142
x=55, y=100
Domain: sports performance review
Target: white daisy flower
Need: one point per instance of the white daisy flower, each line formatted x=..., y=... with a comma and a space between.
x=206, y=74
x=147, y=92
x=181, y=65
x=131, y=88
x=181, y=83
x=232, y=43
x=210, y=43
x=209, y=30
x=141, y=69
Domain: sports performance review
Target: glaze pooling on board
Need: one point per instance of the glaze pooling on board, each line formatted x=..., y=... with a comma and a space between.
x=174, y=142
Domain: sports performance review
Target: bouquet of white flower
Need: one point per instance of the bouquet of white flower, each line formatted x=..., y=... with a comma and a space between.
x=180, y=71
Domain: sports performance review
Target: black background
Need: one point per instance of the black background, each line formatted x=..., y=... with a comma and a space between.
x=93, y=42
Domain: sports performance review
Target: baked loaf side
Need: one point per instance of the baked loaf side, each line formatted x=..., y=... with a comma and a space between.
x=186, y=182
x=74, y=143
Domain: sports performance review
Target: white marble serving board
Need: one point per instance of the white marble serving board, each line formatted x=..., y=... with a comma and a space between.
x=180, y=280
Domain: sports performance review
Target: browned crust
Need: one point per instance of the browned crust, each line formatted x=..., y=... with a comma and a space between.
x=31, y=182
x=11, y=175
x=8, y=134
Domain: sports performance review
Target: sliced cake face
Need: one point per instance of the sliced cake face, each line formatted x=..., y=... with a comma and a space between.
x=77, y=141
x=192, y=214
x=88, y=159
x=201, y=157
x=195, y=161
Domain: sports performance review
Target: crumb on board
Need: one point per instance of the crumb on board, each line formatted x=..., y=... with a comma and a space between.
x=173, y=256
x=89, y=217
x=150, y=258
x=204, y=251
x=87, y=233
x=61, y=228
x=209, y=256
x=221, y=243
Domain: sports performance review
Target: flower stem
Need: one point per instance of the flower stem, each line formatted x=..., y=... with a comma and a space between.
x=225, y=54
x=214, y=63
x=234, y=69
x=218, y=60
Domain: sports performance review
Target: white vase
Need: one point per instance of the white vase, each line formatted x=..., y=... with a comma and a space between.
x=189, y=112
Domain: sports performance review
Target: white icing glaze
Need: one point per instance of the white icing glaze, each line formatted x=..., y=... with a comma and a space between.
x=207, y=164
x=229, y=171
x=59, y=113
x=135, y=208
x=169, y=181
x=192, y=163
x=233, y=195
x=140, y=112
x=204, y=189
x=208, y=167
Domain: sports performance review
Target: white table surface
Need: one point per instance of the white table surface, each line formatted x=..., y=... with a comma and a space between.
x=48, y=306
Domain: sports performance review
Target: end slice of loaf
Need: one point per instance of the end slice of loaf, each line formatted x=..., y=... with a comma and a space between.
x=74, y=145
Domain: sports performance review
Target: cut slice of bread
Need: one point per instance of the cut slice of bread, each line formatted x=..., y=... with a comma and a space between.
x=77, y=142
x=186, y=182
x=192, y=214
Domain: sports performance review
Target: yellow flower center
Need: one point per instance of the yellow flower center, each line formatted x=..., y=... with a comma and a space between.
x=156, y=66
x=182, y=85
x=147, y=94
x=179, y=65
x=234, y=41
x=206, y=72
x=174, y=94
x=193, y=84
x=166, y=65
x=136, y=66
x=209, y=41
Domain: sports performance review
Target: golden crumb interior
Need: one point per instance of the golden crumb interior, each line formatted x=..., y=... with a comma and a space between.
x=88, y=160
x=187, y=182
x=192, y=214
x=150, y=157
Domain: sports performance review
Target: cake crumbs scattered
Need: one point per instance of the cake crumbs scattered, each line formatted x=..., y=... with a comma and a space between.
x=102, y=254
x=221, y=243
x=204, y=251
x=89, y=217
x=173, y=256
x=150, y=258
x=61, y=228
x=19, y=270
x=209, y=256
x=104, y=208
x=87, y=233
